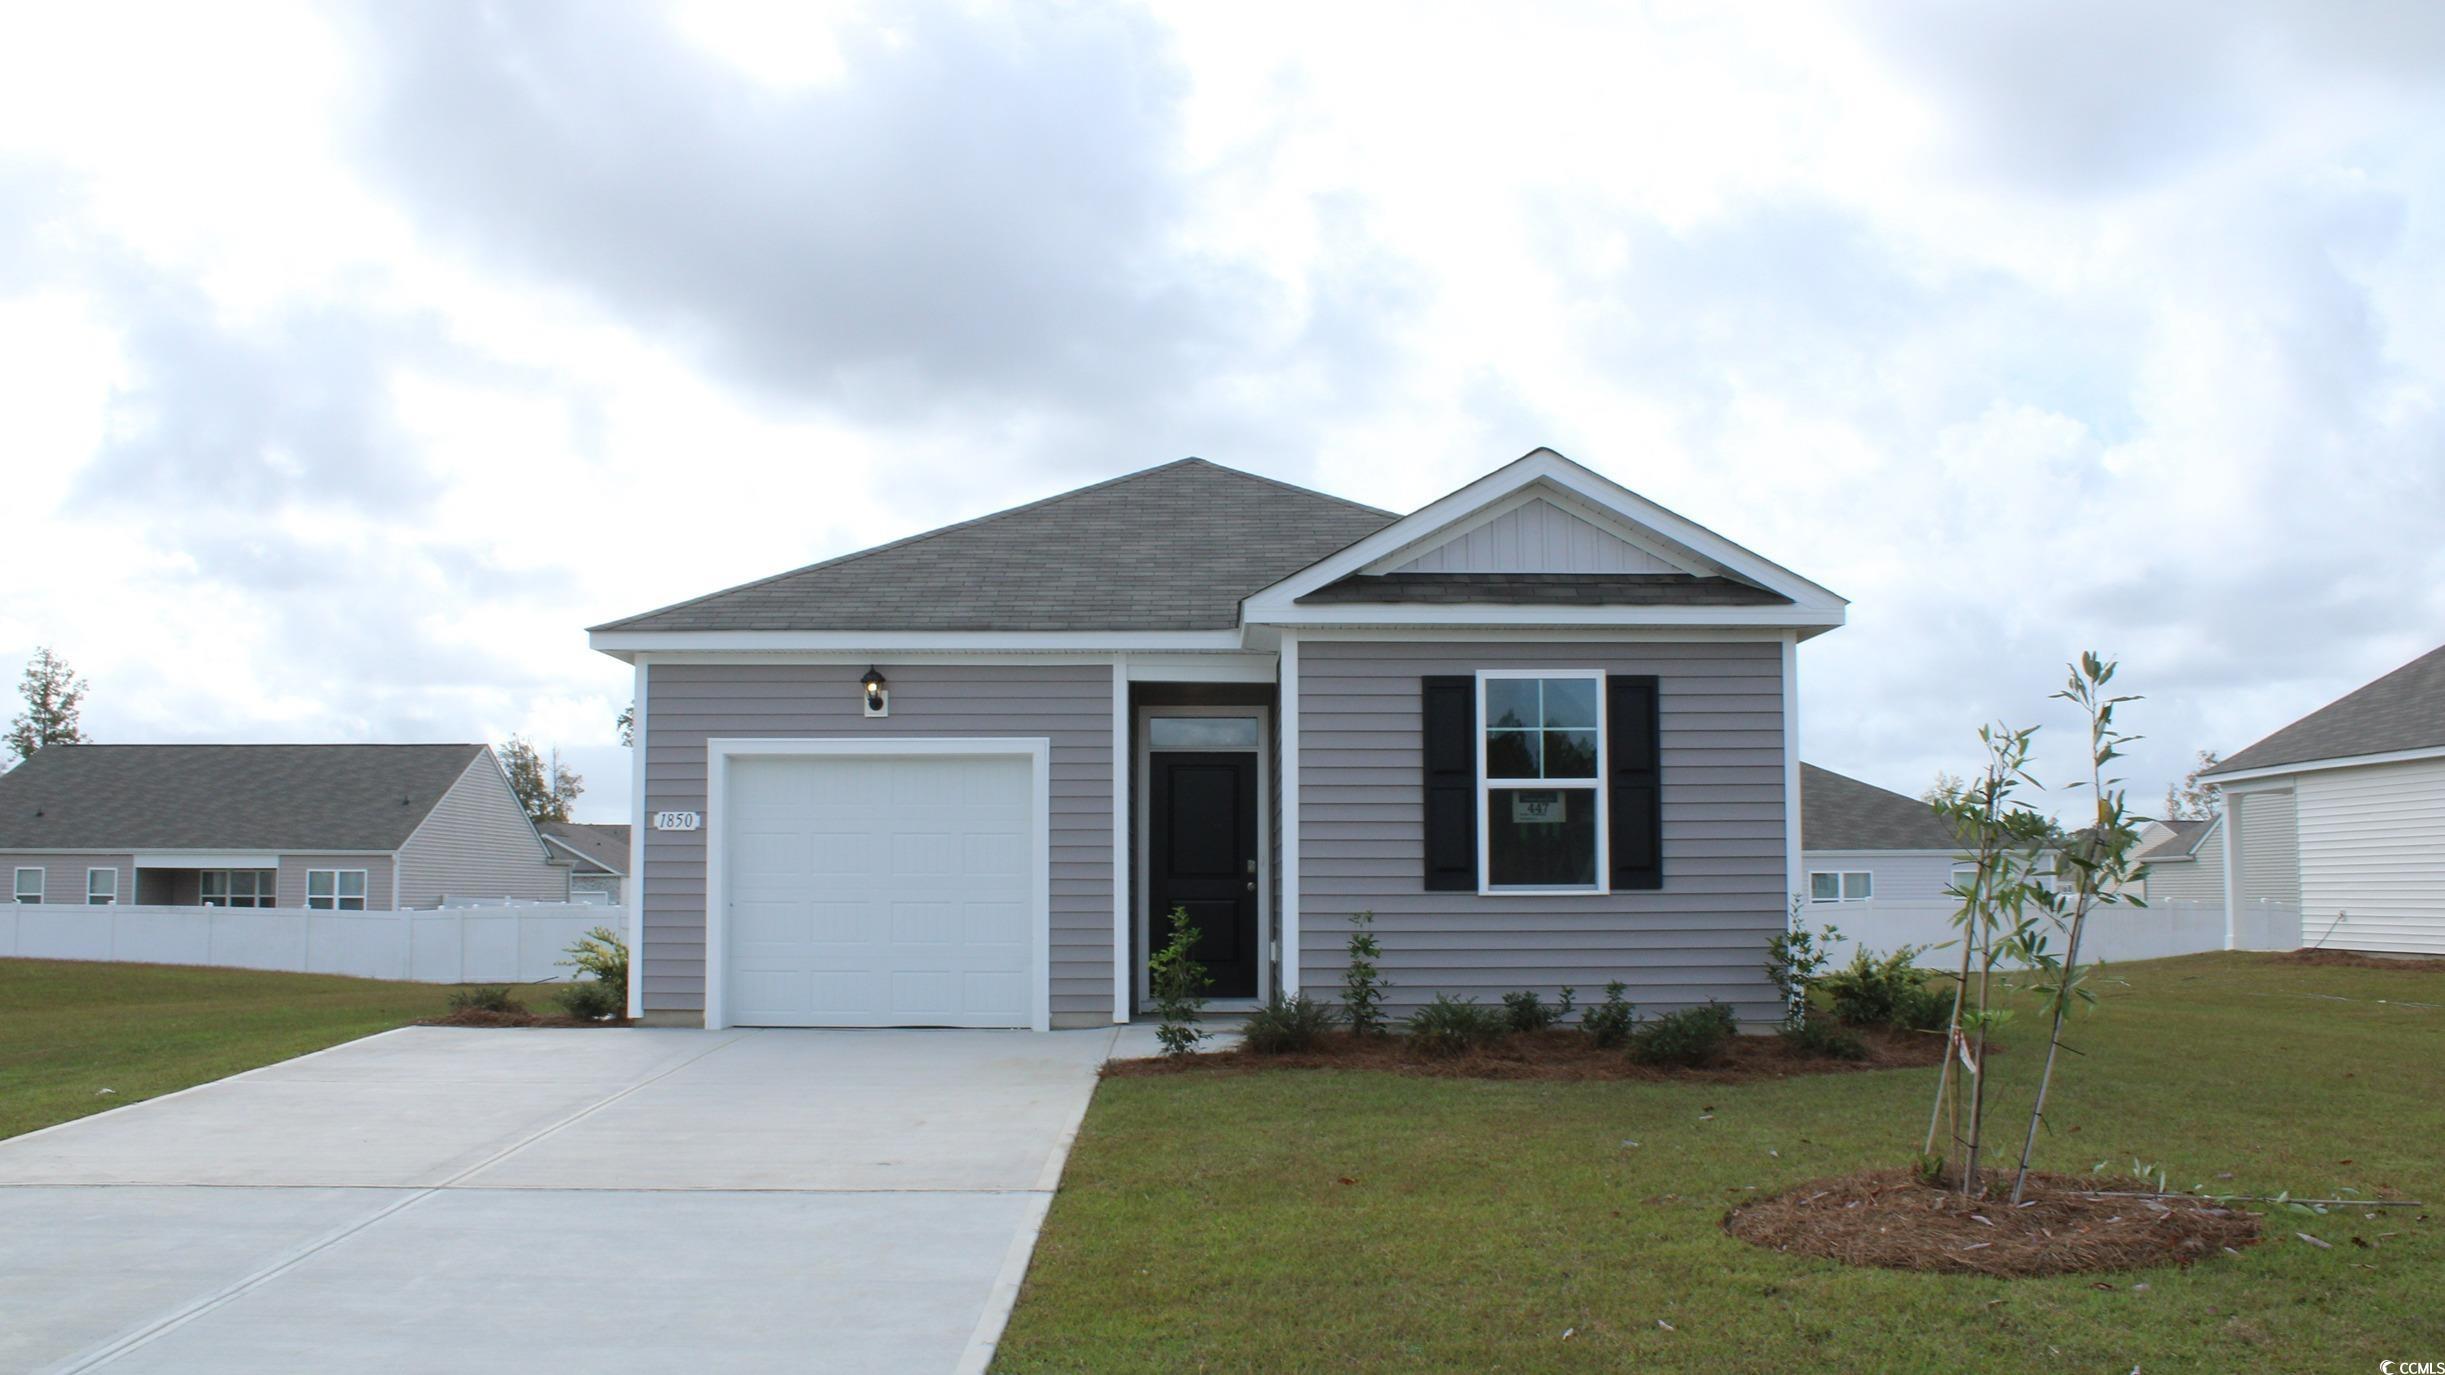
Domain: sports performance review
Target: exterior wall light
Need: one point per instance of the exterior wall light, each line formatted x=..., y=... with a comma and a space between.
x=878, y=693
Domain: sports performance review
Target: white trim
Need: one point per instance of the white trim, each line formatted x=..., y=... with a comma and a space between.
x=1542, y=466
x=1842, y=892
x=225, y=859
x=555, y=842
x=1141, y=900
x=2318, y=765
x=1199, y=668
x=2232, y=879
x=364, y=891
x=1594, y=785
x=636, y=843
x=1794, y=844
x=42, y=890
x=1287, y=711
x=1608, y=522
x=719, y=751
x=1123, y=876
x=621, y=644
x=1510, y=617
x=113, y=871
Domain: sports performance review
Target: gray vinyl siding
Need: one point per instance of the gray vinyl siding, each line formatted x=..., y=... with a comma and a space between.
x=377, y=867
x=63, y=877
x=2198, y=879
x=477, y=843
x=1361, y=846
x=1070, y=704
x=2269, y=868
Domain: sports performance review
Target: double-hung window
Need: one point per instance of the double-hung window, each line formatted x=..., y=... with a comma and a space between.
x=29, y=885
x=1851, y=885
x=237, y=887
x=1541, y=795
x=101, y=887
x=335, y=890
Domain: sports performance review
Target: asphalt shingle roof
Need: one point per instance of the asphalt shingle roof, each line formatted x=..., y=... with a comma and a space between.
x=1170, y=548
x=1547, y=589
x=2405, y=710
x=2179, y=845
x=1838, y=812
x=225, y=797
x=606, y=845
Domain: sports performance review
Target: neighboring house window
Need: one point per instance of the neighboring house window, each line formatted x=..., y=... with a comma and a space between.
x=29, y=885
x=237, y=887
x=101, y=887
x=1541, y=801
x=335, y=890
x=1854, y=885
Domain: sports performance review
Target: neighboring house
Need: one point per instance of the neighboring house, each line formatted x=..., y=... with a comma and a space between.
x=2185, y=861
x=1542, y=728
x=1863, y=844
x=333, y=827
x=2342, y=815
x=597, y=855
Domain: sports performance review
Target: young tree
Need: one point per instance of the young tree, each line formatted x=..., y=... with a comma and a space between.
x=1946, y=790
x=2199, y=801
x=53, y=694
x=627, y=722
x=545, y=788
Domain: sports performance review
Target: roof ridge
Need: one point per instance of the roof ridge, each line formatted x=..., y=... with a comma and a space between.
x=1292, y=487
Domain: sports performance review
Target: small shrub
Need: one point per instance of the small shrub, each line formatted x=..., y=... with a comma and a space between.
x=1795, y=960
x=1690, y=1037
x=590, y=1000
x=1455, y=1026
x=1823, y=1037
x=1179, y=987
x=1925, y=1006
x=1362, y=984
x=1610, y=1022
x=484, y=1000
x=1287, y=1027
x=1526, y=1012
x=1873, y=992
x=601, y=959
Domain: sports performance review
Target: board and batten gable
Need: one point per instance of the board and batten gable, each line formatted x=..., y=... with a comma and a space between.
x=477, y=843
x=1068, y=704
x=2372, y=852
x=1362, y=845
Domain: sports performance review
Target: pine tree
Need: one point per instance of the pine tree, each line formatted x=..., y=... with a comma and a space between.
x=53, y=694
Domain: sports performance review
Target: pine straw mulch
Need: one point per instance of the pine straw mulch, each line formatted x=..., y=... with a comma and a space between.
x=476, y=1016
x=1549, y=1055
x=1887, y=1218
x=2353, y=959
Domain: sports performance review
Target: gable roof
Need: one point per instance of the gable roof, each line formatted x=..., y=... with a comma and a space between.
x=1838, y=812
x=599, y=846
x=2181, y=844
x=2404, y=710
x=1169, y=548
x=1543, y=589
x=225, y=797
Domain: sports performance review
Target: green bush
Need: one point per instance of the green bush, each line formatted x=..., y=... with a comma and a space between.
x=1821, y=1036
x=484, y=1000
x=1526, y=1012
x=1455, y=1026
x=1179, y=983
x=1692, y=1036
x=1874, y=992
x=1925, y=1006
x=601, y=959
x=1610, y=1022
x=591, y=1000
x=1288, y=1027
x=1362, y=984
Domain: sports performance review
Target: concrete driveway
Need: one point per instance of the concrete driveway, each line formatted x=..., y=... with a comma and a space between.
x=598, y=1200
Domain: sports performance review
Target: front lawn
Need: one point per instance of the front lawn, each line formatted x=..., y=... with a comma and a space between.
x=69, y=1030
x=1335, y=1220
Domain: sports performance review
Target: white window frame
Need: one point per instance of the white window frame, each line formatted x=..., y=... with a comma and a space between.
x=259, y=900
x=16, y=890
x=109, y=899
x=1595, y=786
x=334, y=900
x=1841, y=879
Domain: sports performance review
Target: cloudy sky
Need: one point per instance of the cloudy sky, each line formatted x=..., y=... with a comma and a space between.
x=353, y=361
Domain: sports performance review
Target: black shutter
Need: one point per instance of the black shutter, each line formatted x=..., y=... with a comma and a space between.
x=1637, y=831
x=1449, y=706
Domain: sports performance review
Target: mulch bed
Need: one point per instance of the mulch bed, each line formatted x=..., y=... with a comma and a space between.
x=1887, y=1218
x=1550, y=1055
x=474, y=1016
x=2353, y=959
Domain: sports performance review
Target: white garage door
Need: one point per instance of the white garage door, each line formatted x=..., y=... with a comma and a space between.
x=880, y=891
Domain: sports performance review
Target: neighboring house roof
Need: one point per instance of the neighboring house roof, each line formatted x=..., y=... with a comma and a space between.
x=1546, y=589
x=599, y=847
x=225, y=797
x=1169, y=548
x=2181, y=844
x=2405, y=710
x=1842, y=813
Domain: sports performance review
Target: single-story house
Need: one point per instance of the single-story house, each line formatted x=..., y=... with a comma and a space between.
x=1864, y=844
x=1542, y=728
x=597, y=855
x=344, y=828
x=2341, y=815
x=2185, y=861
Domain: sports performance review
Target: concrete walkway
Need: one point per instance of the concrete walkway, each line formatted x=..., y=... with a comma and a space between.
x=450, y=1200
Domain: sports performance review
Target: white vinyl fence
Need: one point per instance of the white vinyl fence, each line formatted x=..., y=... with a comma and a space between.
x=517, y=943
x=2181, y=927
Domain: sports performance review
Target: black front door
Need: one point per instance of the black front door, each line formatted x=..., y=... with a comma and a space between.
x=1202, y=856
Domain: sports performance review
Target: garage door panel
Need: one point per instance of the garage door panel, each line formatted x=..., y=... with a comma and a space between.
x=881, y=891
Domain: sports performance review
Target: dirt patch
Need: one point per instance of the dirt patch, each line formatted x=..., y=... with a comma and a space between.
x=476, y=1016
x=1887, y=1218
x=1549, y=1055
x=2353, y=959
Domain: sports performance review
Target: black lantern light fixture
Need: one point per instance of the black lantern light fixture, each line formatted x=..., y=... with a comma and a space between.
x=878, y=693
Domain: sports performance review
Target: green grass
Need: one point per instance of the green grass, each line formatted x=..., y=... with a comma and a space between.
x=69, y=1030
x=1319, y=1221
